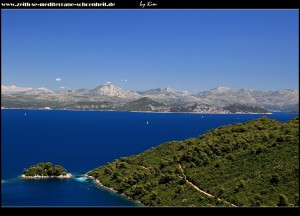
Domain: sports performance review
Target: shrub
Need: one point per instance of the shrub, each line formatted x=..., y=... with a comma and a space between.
x=275, y=179
x=283, y=200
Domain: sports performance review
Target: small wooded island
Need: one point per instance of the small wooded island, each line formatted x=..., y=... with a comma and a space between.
x=45, y=170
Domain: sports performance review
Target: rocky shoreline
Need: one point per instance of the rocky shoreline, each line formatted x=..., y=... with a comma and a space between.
x=68, y=175
x=113, y=190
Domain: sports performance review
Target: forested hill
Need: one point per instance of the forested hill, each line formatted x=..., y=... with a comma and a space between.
x=245, y=164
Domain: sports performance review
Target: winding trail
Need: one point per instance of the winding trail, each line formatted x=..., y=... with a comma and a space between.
x=202, y=191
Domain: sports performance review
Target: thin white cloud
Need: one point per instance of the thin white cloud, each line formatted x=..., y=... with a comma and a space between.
x=62, y=87
x=58, y=79
x=124, y=80
x=108, y=82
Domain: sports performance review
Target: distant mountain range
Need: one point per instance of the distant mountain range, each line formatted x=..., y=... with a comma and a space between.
x=111, y=97
x=279, y=100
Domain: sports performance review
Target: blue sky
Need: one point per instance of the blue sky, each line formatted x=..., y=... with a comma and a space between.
x=192, y=50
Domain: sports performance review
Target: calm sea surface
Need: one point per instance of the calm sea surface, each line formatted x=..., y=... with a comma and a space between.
x=83, y=140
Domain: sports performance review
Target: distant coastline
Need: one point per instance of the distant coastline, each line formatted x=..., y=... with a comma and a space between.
x=3, y=108
x=108, y=97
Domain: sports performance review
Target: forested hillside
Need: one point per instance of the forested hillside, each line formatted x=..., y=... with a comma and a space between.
x=245, y=164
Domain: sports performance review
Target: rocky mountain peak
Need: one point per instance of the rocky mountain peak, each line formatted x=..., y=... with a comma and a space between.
x=109, y=89
x=221, y=89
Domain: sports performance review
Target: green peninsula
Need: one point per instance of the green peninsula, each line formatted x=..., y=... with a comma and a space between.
x=45, y=170
x=245, y=164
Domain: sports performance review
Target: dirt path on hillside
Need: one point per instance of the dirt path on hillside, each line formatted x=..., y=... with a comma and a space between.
x=202, y=191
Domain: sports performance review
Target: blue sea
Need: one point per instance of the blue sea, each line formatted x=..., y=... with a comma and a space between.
x=83, y=140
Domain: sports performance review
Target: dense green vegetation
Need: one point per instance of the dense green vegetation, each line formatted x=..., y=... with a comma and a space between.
x=45, y=169
x=241, y=108
x=245, y=164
